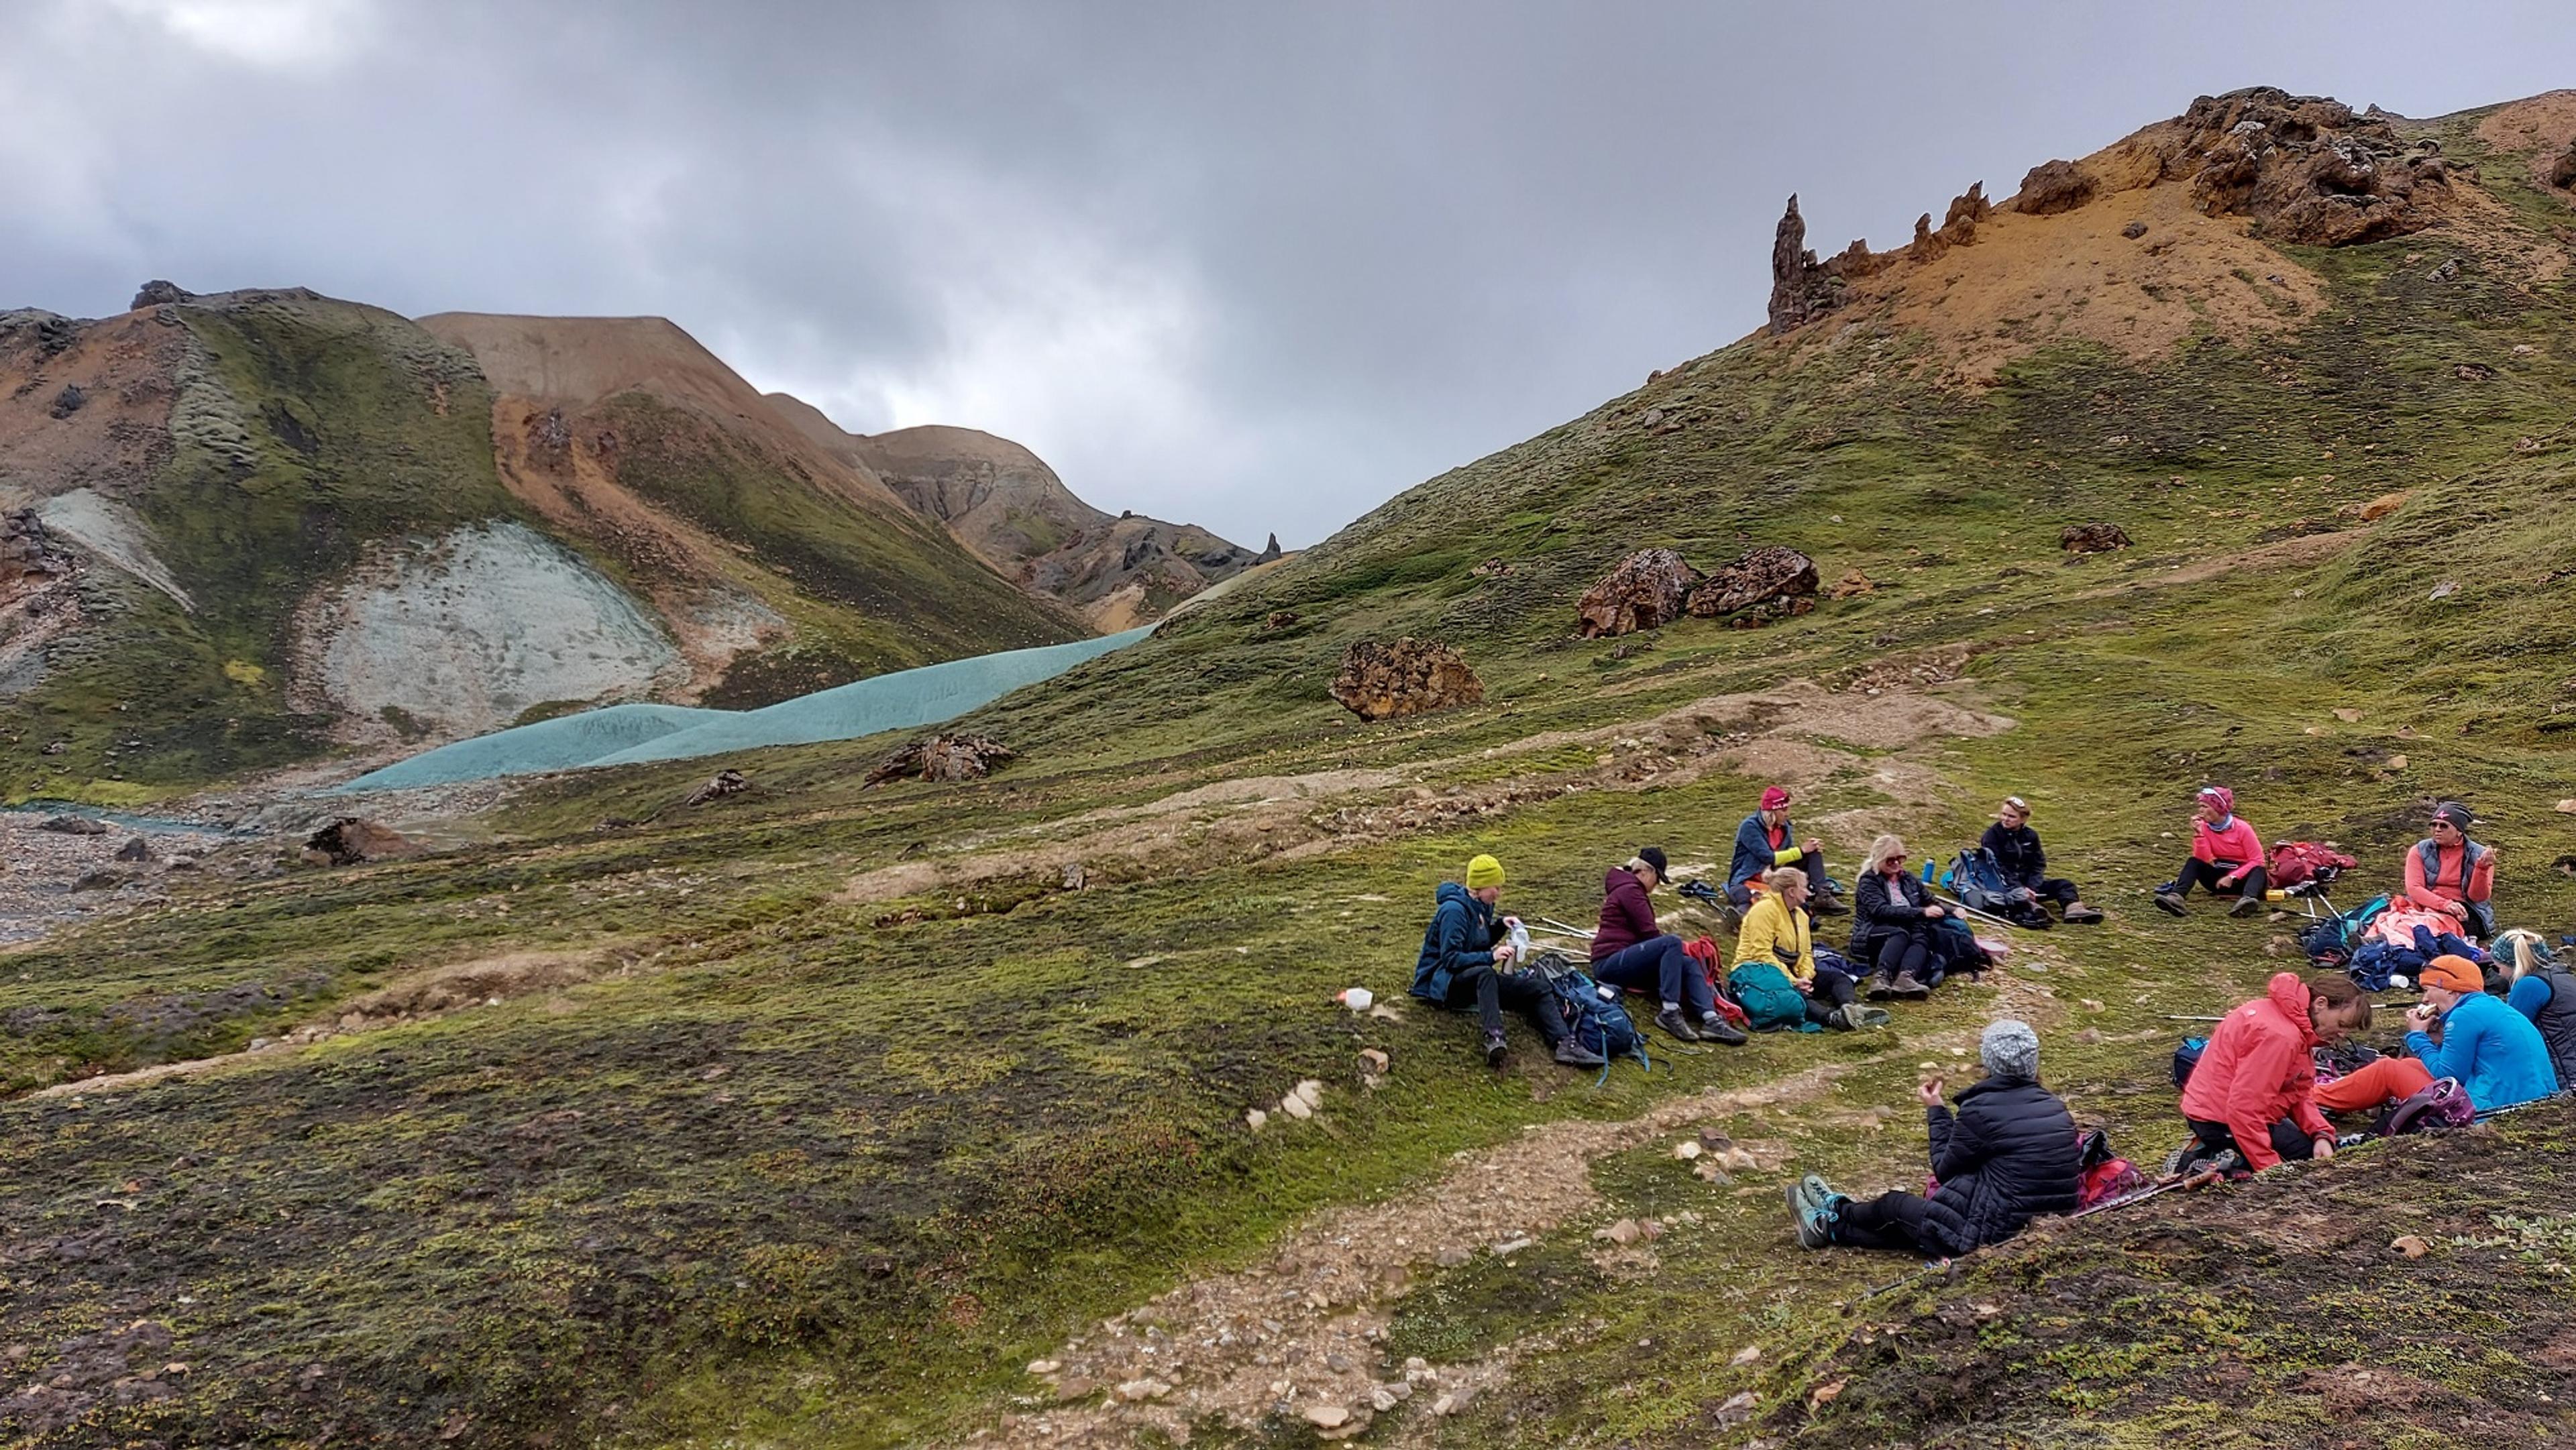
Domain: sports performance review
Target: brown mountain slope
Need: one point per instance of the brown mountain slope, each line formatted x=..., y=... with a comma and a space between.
x=1004, y=503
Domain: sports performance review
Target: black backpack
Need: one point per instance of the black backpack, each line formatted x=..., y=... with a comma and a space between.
x=1978, y=880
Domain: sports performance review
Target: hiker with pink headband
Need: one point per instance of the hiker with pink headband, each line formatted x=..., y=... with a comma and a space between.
x=2226, y=855
x=1766, y=840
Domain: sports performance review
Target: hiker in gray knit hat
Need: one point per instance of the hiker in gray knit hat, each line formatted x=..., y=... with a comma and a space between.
x=2005, y=1156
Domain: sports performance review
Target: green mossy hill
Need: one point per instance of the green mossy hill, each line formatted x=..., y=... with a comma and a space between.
x=831, y=1108
x=301, y=430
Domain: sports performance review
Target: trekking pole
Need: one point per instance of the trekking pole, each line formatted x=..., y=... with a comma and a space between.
x=2187, y=1017
x=1939, y=1266
x=2202, y=1179
x=1965, y=909
x=1552, y=924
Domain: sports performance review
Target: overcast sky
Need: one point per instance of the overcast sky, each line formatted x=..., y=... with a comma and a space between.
x=1258, y=266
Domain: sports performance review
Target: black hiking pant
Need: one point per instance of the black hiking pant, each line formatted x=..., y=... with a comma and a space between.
x=1904, y=952
x=1831, y=990
x=1891, y=1221
x=2203, y=874
x=1492, y=991
x=2288, y=1139
x=1811, y=862
x=2057, y=889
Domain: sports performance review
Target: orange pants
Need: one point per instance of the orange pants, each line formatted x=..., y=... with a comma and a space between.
x=2375, y=1086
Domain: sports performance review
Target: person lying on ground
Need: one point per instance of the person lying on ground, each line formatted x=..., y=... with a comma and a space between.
x=2459, y=1031
x=1893, y=920
x=1631, y=951
x=2449, y=873
x=1767, y=839
x=2016, y=849
x=2008, y=1156
x=2254, y=1090
x=1775, y=960
x=2226, y=855
x=2544, y=991
x=1464, y=954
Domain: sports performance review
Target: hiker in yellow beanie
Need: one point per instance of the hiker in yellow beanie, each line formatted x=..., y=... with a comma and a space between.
x=1465, y=959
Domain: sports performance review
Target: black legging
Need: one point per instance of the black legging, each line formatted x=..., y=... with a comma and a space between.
x=2288, y=1139
x=1831, y=990
x=1492, y=990
x=2203, y=874
x=1889, y=1221
x=1903, y=952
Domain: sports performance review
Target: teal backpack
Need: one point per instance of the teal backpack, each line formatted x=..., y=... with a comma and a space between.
x=1769, y=999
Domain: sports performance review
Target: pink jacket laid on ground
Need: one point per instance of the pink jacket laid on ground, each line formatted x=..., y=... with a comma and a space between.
x=2258, y=1069
x=1627, y=917
x=2234, y=844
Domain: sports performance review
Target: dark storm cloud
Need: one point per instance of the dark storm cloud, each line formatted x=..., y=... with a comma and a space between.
x=1259, y=266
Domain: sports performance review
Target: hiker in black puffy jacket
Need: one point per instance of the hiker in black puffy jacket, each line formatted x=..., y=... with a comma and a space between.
x=2015, y=847
x=1892, y=924
x=2007, y=1156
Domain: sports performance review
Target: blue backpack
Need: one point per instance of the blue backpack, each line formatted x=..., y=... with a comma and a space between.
x=1593, y=1014
x=2333, y=940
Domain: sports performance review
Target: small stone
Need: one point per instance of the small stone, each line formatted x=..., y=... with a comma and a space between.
x=2567, y=807
x=1255, y=1119
x=1311, y=1091
x=2411, y=1246
x=1450, y=1258
x=1747, y=1355
x=1295, y=1107
x=2348, y=716
x=2091, y=1005
x=1043, y=1366
x=2089, y=1036
x=1826, y=1394
x=1327, y=1417
x=2134, y=230
x=1513, y=1245
x=2444, y=590
x=137, y=849
x=2397, y=762
x=1076, y=1388
x=1686, y=1151
x=1622, y=1233
x=1373, y=1060
x=1382, y=1399
x=1708, y=1172
x=1738, y=1160
x=1453, y=1402
x=1143, y=1389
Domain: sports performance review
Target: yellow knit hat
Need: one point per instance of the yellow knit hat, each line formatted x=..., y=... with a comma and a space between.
x=1484, y=871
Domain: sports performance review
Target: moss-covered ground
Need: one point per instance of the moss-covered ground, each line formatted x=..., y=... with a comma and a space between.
x=782, y=1174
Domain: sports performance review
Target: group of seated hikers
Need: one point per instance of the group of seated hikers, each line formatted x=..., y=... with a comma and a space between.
x=2496, y=1026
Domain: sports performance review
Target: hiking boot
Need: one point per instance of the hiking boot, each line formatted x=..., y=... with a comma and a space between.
x=1815, y=1222
x=2082, y=915
x=1909, y=988
x=1814, y=1192
x=1879, y=990
x=1714, y=1028
x=2169, y=902
x=1825, y=903
x=1852, y=1016
x=2246, y=906
x=1494, y=1049
x=1672, y=1021
x=1575, y=1054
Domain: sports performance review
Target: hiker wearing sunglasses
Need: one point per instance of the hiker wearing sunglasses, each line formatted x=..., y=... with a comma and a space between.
x=1464, y=962
x=2005, y=1157
x=2449, y=873
x=2015, y=847
x=1893, y=918
x=2226, y=855
x=1631, y=951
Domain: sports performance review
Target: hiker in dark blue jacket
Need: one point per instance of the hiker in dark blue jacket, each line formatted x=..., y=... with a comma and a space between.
x=2025, y=866
x=1464, y=960
x=1767, y=839
x=2007, y=1156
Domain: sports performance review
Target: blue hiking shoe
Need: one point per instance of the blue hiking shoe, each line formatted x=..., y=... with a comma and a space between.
x=1815, y=1220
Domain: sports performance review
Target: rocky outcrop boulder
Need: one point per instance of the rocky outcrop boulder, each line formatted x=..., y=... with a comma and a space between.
x=349, y=841
x=944, y=757
x=720, y=785
x=156, y=292
x=2094, y=538
x=1647, y=590
x=2053, y=187
x=1770, y=573
x=27, y=551
x=1409, y=677
x=1802, y=288
x=2561, y=172
x=2306, y=169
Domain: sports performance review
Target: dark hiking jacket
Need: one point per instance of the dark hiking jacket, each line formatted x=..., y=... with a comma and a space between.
x=1461, y=935
x=1879, y=913
x=2006, y=1156
x=2017, y=852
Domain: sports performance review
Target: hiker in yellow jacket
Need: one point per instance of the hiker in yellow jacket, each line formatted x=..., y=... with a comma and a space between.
x=1777, y=933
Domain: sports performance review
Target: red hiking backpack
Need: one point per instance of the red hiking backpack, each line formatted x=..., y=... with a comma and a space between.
x=2294, y=862
x=2104, y=1176
x=1703, y=950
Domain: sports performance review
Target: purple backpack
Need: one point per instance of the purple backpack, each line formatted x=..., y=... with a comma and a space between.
x=2443, y=1104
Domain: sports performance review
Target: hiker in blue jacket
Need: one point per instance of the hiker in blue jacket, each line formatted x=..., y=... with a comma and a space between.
x=1464, y=960
x=1766, y=839
x=2495, y=1052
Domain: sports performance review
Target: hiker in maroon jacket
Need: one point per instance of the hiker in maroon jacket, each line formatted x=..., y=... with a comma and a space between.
x=1630, y=951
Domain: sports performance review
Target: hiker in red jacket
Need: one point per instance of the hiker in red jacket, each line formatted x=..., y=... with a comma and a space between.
x=2449, y=873
x=2254, y=1088
x=2226, y=855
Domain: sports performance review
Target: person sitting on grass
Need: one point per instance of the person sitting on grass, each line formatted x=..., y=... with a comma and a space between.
x=2545, y=992
x=2008, y=1156
x=2226, y=855
x=2457, y=1031
x=2449, y=873
x=2254, y=1091
x=1893, y=918
x=1775, y=950
x=2015, y=847
x=1767, y=839
x=1630, y=951
x=1464, y=953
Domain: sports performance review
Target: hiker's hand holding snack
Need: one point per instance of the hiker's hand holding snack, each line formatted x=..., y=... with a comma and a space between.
x=1929, y=1094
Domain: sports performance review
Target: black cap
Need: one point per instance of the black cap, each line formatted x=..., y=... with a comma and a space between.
x=2454, y=812
x=1654, y=856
